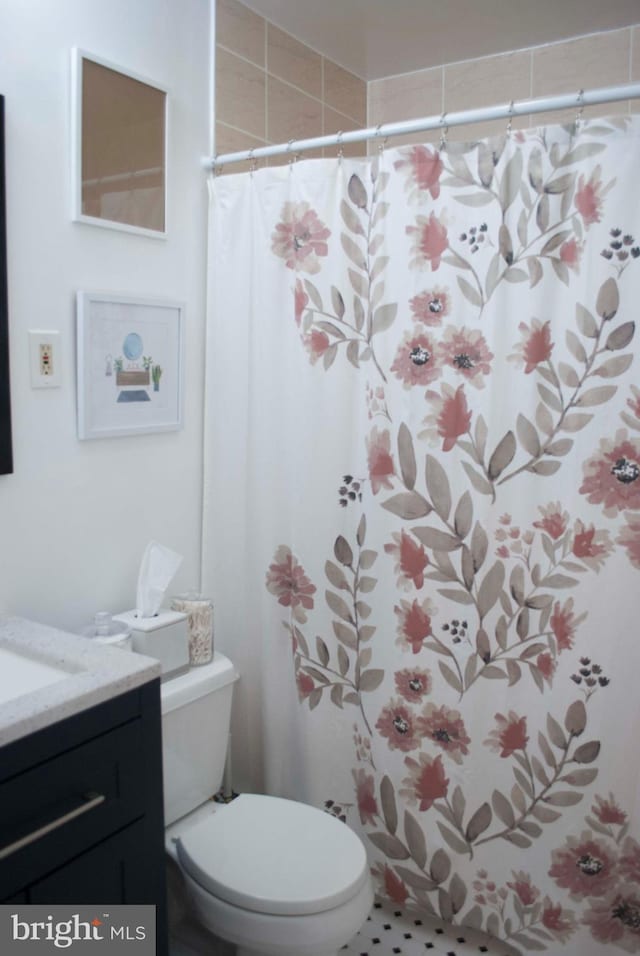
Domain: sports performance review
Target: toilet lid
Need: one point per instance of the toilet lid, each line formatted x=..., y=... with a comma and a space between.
x=275, y=856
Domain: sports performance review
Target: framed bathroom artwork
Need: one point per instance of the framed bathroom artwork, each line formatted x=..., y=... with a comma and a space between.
x=119, y=128
x=6, y=456
x=130, y=367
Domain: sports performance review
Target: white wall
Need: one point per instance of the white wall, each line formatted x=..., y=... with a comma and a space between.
x=75, y=516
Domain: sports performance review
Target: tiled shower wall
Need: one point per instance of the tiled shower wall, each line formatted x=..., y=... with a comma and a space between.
x=271, y=88
x=601, y=59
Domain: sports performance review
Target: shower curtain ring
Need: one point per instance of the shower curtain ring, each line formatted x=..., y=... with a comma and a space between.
x=340, y=148
x=510, y=121
x=579, y=110
x=444, y=129
x=291, y=157
x=382, y=145
x=253, y=164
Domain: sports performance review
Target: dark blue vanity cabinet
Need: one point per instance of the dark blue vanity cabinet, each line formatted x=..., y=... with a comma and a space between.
x=81, y=818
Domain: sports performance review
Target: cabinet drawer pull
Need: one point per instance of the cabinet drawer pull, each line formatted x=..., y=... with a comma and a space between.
x=91, y=800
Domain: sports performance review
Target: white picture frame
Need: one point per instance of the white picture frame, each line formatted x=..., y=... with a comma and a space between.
x=130, y=365
x=119, y=156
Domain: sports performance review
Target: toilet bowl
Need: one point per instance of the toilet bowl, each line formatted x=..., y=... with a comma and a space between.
x=273, y=876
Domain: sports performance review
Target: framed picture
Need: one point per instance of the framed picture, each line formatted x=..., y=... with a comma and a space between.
x=119, y=147
x=6, y=456
x=130, y=365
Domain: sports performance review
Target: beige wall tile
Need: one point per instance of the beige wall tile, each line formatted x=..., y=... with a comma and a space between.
x=583, y=63
x=635, y=54
x=345, y=92
x=487, y=81
x=291, y=114
x=240, y=94
x=231, y=141
x=294, y=62
x=335, y=122
x=241, y=30
x=409, y=96
x=473, y=131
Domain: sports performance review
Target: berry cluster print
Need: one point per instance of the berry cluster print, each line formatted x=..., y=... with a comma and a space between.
x=480, y=299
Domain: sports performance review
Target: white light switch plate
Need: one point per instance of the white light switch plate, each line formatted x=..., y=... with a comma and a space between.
x=44, y=358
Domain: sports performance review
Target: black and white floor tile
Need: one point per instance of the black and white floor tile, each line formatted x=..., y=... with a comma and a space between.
x=390, y=931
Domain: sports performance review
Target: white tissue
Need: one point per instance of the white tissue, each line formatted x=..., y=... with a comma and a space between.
x=157, y=568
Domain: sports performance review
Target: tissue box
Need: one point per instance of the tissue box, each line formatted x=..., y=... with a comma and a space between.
x=163, y=636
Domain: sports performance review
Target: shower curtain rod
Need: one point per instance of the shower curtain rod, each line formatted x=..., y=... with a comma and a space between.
x=606, y=94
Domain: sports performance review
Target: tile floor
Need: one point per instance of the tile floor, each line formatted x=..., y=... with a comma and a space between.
x=387, y=932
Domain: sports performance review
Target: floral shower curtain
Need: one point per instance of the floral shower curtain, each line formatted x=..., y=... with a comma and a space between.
x=422, y=516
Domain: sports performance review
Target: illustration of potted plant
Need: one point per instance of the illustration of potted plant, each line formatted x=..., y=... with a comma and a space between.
x=117, y=364
x=147, y=362
x=156, y=374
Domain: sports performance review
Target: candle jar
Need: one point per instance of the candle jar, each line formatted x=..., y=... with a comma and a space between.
x=199, y=611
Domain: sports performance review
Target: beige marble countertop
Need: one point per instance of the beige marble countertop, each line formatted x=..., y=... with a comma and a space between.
x=95, y=673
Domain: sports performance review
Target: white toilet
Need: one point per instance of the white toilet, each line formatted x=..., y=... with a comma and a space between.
x=273, y=876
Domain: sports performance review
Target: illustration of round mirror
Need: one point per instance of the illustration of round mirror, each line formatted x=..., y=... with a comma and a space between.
x=132, y=346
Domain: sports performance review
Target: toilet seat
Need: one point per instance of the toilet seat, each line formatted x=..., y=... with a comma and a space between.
x=250, y=854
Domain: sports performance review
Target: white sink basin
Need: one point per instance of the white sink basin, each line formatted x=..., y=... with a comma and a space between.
x=21, y=675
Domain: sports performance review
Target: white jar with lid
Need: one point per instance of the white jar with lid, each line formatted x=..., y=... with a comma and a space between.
x=199, y=611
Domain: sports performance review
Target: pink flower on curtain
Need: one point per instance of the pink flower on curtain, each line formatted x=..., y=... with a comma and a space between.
x=509, y=734
x=616, y=919
x=585, y=866
x=563, y=624
x=589, y=196
x=446, y=729
x=426, y=781
x=560, y=922
x=415, y=361
x=608, y=811
x=612, y=475
x=397, y=724
x=629, y=538
x=571, y=253
x=305, y=685
x=411, y=560
x=535, y=347
x=547, y=666
x=454, y=419
x=365, y=796
x=554, y=519
x=413, y=684
x=591, y=546
x=523, y=888
x=430, y=241
x=466, y=351
x=414, y=624
x=629, y=862
x=300, y=299
x=450, y=418
x=288, y=582
x=425, y=168
x=430, y=307
x=381, y=467
x=316, y=343
x=300, y=238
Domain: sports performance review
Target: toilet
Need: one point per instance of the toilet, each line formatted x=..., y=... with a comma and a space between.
x=273, y=876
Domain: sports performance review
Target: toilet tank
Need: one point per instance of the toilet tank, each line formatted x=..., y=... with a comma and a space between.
x=196, y=711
